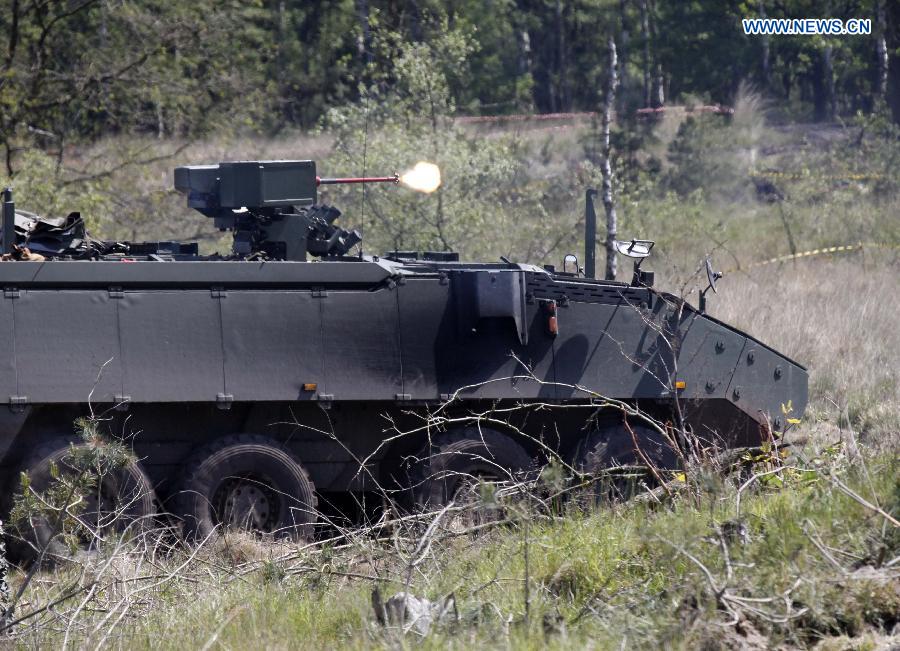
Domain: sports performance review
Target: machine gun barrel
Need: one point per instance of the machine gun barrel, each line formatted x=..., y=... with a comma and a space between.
x=358, y=179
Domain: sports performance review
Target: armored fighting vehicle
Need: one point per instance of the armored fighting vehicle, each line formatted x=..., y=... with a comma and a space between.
x=294, y=375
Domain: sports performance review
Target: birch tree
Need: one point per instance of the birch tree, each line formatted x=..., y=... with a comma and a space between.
x=606, y=191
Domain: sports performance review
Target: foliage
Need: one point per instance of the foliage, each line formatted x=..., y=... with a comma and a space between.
x=703, y=156
x=408, y=121
x=46, y=192
x=75, y=71
x=75, y=477
x=84, y=69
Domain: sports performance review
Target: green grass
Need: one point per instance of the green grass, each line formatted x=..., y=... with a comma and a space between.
x=596, y=578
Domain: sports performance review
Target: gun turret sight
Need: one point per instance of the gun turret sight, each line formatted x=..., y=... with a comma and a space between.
x=271, y=206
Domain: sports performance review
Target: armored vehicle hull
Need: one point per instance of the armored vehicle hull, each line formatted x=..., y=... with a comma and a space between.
x=325, y=356
x=296, y=381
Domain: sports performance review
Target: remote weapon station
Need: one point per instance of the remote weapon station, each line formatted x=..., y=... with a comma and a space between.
x=260, y=388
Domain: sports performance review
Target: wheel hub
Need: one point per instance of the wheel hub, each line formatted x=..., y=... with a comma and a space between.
x=248, y=505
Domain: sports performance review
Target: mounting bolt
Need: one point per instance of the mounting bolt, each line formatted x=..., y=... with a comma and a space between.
x=777, y=423
x=720, y=346
x=710, y=386
x=737, y=393
x=751, y=357
x=778, y=372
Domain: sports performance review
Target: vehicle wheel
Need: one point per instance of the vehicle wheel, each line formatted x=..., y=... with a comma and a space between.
x=248, y=483
x=121, y=500
x=613, y=446
x=457, y=462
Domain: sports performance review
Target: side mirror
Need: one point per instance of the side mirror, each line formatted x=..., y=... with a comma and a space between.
x=638, y=249
x=712, y=277
x=571, y=260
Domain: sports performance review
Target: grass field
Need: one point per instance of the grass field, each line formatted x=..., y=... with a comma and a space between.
x=805, y=555
x=632, y=575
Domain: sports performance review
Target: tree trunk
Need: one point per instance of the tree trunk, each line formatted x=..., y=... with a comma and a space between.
x=659, y=90
x=824, y=98
x=892, y=39
x=525, y=68
x=881, y=56
x=823, y=86
x=562, y=87
x=645, y=36
x=160, y=121
x=280, y=20
x=607, y=187
x=659, y=94
x=415, y=22
x=624, y=38
x=365, y=43
x=828, y=60
x=766, y=64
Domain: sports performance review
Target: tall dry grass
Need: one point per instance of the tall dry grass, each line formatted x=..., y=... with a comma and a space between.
x=840, y=317
x=722, y=564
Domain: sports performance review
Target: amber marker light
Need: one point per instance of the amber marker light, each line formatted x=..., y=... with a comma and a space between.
x=310, y=386
x=680, y=384
x=552, y=322
x=553, y=325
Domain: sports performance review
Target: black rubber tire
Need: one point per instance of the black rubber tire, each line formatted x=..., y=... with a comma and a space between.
x=128, y=486
x=443, y=467
x=246, y=455
x=612, y=445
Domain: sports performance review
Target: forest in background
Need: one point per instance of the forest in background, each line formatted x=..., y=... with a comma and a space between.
x=74, y=70
x=100, y=99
